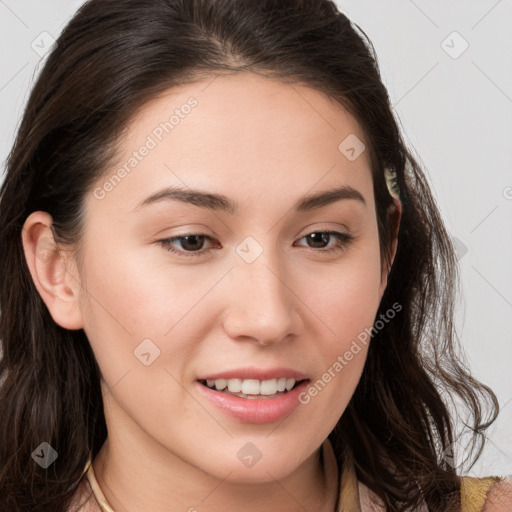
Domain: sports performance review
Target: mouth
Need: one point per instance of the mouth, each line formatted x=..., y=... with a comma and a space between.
x=253, y=395
x=253, y=388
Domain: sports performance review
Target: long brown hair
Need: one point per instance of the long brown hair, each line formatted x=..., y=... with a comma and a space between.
x=113, y=57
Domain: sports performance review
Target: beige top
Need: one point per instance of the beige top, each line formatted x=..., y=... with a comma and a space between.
x=353, y=495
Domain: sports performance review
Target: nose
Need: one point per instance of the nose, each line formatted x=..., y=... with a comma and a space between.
x=261, y=305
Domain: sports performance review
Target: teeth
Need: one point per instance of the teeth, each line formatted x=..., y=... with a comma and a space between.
x=235, y=385
x=252, y=386
x=281, y=384
x=220, y=384
x=268, y=387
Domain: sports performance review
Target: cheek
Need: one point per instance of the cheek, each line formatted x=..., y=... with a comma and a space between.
x=127, y=303
x=345, y=295
x=345, y=298
x=139, y=294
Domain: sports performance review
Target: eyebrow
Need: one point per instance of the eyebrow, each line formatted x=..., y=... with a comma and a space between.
x=219, y=202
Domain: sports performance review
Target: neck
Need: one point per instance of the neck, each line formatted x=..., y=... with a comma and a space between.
x=171, y=484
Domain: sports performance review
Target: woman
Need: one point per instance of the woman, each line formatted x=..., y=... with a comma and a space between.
x=221, y=268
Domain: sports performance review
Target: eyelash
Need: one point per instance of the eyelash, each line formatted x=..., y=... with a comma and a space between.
x=343, y=238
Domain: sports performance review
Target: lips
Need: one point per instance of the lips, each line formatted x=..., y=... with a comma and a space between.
x=256, y=408
x=254, y=395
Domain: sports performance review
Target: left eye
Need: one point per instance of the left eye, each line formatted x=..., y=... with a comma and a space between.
x=322, y=236
x=192, y=244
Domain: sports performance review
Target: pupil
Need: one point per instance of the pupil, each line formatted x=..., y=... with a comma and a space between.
x=321, y=238
x=195, y=239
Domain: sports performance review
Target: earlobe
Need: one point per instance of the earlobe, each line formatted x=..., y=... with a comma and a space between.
x=51, y=269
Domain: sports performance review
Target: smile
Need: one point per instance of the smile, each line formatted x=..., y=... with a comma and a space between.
x=252, y=388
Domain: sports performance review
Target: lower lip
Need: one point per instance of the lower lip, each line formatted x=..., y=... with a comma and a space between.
x=255, y=410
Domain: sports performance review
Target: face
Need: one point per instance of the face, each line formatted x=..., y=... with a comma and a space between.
x=258, y=289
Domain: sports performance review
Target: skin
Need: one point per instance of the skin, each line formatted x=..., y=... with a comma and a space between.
x=265, y=145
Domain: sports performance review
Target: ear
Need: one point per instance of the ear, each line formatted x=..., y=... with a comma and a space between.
x=53, y=271
x=394, y=216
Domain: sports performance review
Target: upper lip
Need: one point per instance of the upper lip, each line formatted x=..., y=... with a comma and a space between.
x=256, y=373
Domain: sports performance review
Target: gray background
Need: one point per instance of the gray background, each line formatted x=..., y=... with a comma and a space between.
x=455, y=108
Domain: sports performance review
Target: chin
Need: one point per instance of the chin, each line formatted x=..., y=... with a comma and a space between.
x=254, y=462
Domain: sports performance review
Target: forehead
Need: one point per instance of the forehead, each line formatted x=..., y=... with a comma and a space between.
x=238, y=132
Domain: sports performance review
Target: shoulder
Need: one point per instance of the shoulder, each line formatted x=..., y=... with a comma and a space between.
x=494, y=494
x=499, y=496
